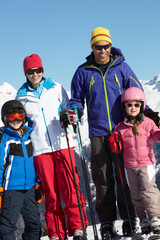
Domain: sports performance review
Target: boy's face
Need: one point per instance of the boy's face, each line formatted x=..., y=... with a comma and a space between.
x=15, y=124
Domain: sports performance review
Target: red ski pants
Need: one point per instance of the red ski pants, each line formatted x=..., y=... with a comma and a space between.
x=55, y=173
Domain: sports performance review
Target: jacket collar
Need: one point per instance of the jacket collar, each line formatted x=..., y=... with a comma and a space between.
x=126, y=120
x=115, y=53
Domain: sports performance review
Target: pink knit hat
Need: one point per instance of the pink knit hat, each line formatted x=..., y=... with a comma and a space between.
x=32, y=61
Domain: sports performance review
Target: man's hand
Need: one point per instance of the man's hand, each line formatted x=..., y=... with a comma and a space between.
x=74, y=115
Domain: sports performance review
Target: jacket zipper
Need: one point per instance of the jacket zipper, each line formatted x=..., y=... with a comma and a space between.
x=105, y=90
x=47, y=130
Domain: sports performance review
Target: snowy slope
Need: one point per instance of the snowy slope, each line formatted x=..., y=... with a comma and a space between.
x=90, y=235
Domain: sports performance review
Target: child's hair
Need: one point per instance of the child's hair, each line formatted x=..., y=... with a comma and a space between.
x=135, y=122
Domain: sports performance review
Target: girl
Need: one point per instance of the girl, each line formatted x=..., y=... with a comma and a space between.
x=135, y=136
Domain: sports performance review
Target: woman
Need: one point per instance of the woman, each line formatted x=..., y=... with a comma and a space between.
x=43, y=100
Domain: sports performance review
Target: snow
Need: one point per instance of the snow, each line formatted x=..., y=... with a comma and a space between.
x=90, y=235
x=152, y=92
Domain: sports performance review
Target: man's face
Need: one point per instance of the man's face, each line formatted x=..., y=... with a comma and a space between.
x=101, y=56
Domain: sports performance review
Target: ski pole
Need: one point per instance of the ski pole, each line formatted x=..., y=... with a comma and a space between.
x=75, y=183
x=121, y=179
x=86, y=181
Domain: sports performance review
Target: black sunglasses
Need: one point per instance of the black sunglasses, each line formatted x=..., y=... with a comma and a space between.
x=31, y=71
x=99, y=47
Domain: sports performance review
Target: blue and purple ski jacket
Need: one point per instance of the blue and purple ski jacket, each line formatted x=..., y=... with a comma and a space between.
x=102, y=93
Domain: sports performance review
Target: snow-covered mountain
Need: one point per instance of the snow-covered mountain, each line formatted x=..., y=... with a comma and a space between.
x=152, y=92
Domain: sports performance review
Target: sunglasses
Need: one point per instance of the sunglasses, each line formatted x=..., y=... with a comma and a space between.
x=136, y=105
x=10, y=117
x=31, y=71
x=100, y=47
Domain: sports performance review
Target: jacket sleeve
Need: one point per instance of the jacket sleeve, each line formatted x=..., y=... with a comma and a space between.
x=130, y=79
x=64, y=99
x=78, y=90
x=4, y=150
x=155, y=131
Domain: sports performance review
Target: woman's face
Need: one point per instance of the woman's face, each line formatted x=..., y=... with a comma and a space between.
x=34, y=75
x=132, y=108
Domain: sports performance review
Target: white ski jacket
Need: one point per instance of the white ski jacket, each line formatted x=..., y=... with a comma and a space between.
x=43, y=106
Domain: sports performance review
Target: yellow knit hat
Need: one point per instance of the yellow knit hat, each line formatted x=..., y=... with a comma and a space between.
x=100, y=33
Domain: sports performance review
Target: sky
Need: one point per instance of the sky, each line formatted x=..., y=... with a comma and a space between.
x=59, y=31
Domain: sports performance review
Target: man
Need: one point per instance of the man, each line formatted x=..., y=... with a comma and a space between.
x=100, y=81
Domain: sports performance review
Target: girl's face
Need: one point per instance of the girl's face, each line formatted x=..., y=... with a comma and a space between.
x=133, y=108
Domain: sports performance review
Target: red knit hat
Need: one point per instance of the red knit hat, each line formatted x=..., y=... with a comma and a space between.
x=32, y=61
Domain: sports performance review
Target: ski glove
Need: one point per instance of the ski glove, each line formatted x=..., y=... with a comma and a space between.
x=38, y=194
x=74, y=115
x=1, y=194
x=114, y=142
x=64, y=118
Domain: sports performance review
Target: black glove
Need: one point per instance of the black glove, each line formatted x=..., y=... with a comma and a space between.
x=64, y=119
x=38, y=194
x=153, y=115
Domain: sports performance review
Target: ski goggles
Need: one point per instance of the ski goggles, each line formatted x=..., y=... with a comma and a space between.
x=100, y=47
x=36, y=70
x=10, y=117
x=136, y=105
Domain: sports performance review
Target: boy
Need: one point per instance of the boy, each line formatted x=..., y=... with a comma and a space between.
x=17, y=175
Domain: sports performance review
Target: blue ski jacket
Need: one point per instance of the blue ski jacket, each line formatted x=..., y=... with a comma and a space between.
x=102, y=92
x=16, y=160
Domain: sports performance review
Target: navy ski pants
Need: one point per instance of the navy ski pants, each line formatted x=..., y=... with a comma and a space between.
x=16, y=202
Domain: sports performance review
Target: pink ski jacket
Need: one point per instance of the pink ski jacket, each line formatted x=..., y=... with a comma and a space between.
x=138, y=150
